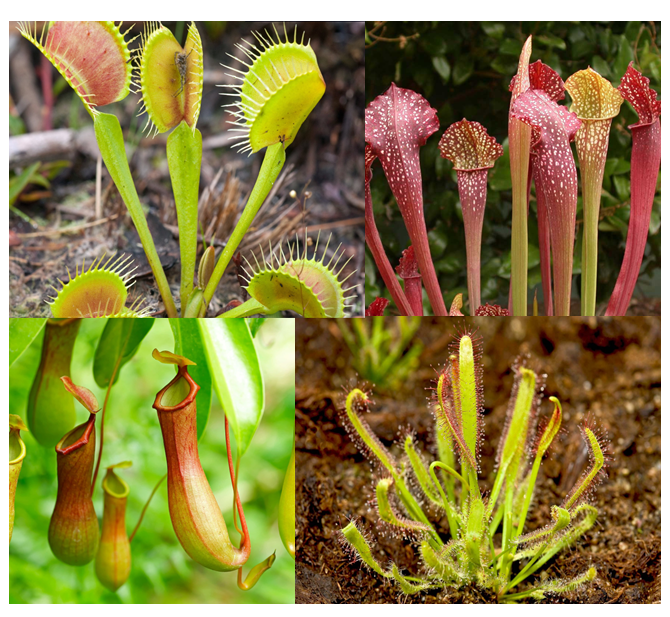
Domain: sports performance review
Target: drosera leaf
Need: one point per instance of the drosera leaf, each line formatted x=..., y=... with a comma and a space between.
x=188, y=342
x=236, y=375
x=592, y=477
x=22, y=332
x=118, y=343
x=397, y=124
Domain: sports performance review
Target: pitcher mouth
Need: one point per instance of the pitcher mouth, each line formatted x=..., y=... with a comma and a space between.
x=182, y=378
x=77, y=437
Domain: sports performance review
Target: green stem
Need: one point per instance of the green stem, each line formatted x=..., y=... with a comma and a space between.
x=274, y=160
x=110, y=141
x=246, y=309
x=519, y=154
x=184, y=154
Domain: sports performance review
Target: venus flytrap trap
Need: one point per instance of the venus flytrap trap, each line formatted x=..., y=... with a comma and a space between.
x=411, y=488
x=94, y=58
x=278, y=90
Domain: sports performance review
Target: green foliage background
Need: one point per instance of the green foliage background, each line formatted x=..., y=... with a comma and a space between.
x=463, y=69
x=161, y=571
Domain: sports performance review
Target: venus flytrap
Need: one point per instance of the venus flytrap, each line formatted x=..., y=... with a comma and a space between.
x=170, y=79
x=94, y=58
x=278, y=90
x=471, y=556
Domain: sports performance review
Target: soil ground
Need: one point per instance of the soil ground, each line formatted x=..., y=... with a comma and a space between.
x=325, y=159
x=607, y=368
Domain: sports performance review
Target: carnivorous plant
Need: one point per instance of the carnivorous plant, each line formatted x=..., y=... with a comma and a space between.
x=470, y=551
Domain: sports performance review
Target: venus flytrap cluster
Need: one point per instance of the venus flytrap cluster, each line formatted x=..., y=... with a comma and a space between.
x=483, y=542
x=279, y=87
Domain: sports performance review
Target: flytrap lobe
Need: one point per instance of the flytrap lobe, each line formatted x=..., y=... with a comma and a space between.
x=295, y=282
x=486, y=537
x=278, y=90
x=101, y=290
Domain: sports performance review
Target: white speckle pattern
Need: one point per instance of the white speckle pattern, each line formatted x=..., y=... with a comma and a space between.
x=469, y=146
x=397, y=124
x=543, y=77
x=635, y=89
x=555, y=175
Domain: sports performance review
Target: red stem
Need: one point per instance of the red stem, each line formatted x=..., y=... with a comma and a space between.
x=644, y=166
x=374, y=243
x=246, y=543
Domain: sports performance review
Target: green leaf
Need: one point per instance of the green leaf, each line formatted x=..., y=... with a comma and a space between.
x=236, y=373
x=20, y=182
x=441, y=65
x=463, y=69
x=602, y=67
x=118, y=343
x=22, y=332
x=550, y=40
x=493, y=29
x=624, y=57
x=511, y=47
x=188, y=342
x=255, y=324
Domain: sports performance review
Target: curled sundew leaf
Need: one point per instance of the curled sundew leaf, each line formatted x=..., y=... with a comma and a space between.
x=591, y=477
x=357, y=540
x=596, y=102
x=555, y=175
x=92, y=56
x=388, y=512
x=473, y=152
x=408, y=271
x=99, y=291
x=170, y=77
x=279, y=89
x=645, y=163
x=308, y=286
x=397, y=124
x=377, y=308
x=374, y=242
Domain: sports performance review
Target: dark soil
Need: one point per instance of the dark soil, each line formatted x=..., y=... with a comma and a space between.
x=607, y=368
x=325, y=159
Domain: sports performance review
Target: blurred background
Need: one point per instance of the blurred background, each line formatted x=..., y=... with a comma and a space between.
x=161, y=571
x=463, y=69
x=55, y=223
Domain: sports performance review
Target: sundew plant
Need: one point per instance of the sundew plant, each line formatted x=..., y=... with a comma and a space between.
x=462, y=534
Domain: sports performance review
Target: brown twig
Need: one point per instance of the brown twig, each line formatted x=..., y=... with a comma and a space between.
x=67, y=230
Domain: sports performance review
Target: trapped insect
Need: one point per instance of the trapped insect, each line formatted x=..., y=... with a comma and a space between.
x=180, y=59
